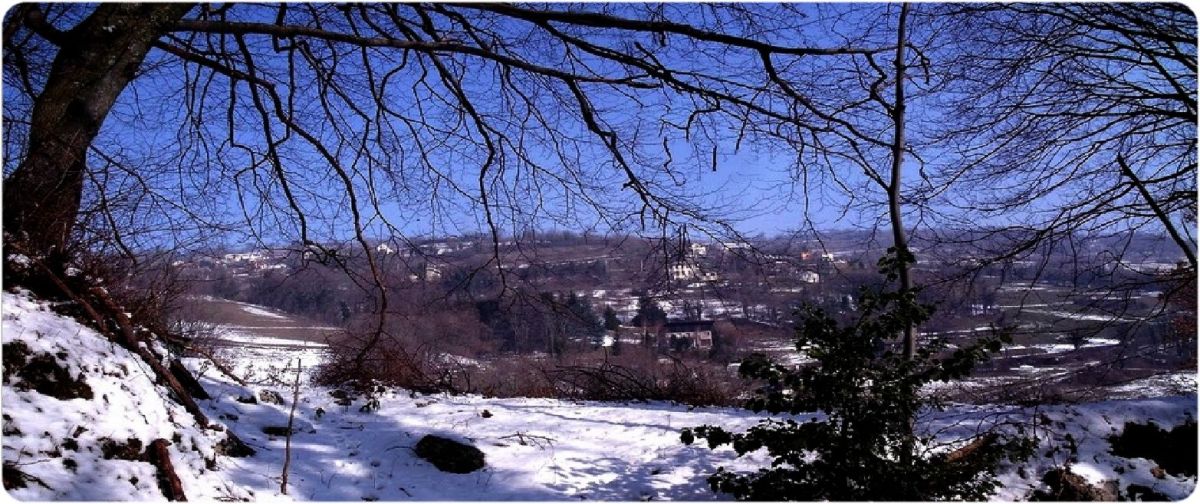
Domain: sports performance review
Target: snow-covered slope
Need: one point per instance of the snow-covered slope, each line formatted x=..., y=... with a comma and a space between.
x=60, y=444
x=536, y=449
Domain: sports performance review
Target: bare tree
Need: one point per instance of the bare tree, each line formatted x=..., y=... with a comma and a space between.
x=1066, y=140
x=333, y=125
x=330, y=124
x=1068, y=119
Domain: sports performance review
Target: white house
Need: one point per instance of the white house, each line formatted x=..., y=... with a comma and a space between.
x=681, y=271
x=432, y=272
x=700, y=332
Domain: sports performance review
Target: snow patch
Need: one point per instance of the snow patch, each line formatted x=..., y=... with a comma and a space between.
x=260, y=311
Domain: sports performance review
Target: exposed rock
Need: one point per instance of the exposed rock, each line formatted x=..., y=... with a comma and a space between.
x=449, y=455
x=276, y=430
x=270, y=397
x=247, y=399
x=1067, y=486
x=341, y=397
x=232, y=446
x=9, y=428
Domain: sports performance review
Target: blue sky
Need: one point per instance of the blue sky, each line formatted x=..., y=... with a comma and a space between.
x=566, y=175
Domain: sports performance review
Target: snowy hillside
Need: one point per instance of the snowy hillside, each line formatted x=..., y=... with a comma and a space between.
x=80, y=435
x=344, y=448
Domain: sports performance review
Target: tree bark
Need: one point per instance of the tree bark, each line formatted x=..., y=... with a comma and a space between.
x=185, y=378
x=898, y=236
x=899, y=240
x=95, y=62
x=898, y=143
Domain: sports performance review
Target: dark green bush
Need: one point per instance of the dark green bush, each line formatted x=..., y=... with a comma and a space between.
x=864, y=447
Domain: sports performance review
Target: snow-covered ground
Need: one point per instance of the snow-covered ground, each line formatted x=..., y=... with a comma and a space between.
x=256, y=310
x=58, y=442
x=536, y=449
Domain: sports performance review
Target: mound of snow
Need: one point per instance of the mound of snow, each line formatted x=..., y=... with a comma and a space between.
x=89, y=449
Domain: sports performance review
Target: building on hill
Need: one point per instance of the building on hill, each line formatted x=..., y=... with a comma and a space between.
x=682, y=271
x=699, y=332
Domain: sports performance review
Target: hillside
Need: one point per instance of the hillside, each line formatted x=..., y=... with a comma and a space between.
x=63, y=444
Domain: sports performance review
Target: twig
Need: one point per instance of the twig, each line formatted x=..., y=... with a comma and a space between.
x=287, y=449
x=533, y=439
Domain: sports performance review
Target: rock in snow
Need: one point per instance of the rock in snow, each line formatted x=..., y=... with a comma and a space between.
x=449, y=455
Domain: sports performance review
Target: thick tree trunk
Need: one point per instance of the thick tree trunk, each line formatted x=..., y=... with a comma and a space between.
x=96, y=60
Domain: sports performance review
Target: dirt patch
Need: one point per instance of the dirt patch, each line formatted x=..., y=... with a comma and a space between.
x=1067, y=486
x=1149, y=441
x=131, y=449
x=1143, y=493
x=232, y=446
x=15, y=478
x=41, y=372
x=270, y=397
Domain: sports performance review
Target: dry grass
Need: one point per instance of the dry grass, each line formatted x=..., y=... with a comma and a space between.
x=232, y=314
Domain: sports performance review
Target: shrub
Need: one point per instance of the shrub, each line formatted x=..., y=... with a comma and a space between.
x=638, y=378
x=865, y=447
x=388, y=361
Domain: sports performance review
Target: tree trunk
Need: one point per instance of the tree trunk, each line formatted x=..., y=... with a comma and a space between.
x=899, y=241
x=898, y=238
x=96, y=60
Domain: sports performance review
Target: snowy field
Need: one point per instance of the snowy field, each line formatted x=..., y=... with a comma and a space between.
x=536, y=449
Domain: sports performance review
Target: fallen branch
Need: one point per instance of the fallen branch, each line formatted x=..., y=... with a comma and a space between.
x=133, y=343
x=168, y=480
x=967, y=451
x=125, y=336
x=188, y=381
